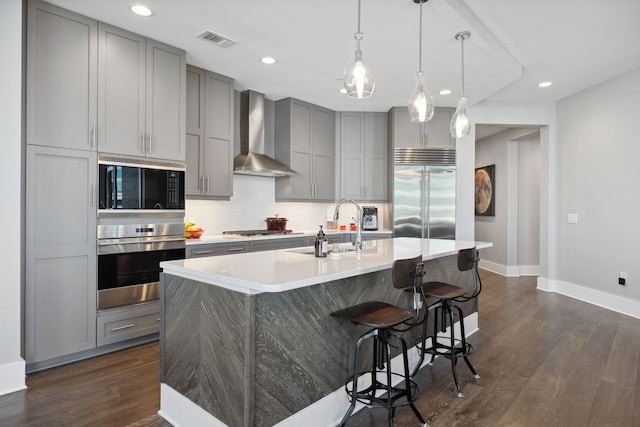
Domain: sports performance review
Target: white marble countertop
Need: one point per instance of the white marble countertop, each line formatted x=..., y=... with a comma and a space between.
x=222, y=238
x=286, y=269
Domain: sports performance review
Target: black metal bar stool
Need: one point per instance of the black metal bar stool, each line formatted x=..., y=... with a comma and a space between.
x=384, y=319
x=446, y=307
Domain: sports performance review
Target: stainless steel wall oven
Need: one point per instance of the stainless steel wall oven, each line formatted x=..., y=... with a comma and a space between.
x=128, y=260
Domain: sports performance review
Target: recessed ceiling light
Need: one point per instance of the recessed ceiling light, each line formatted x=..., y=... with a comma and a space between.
x=140, y=9
x=545, y=84
x=445, y=92
x=343, y=90
x=268, y=60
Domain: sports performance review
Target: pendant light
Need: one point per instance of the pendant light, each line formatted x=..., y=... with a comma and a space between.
x=359, y=80
x=421, y=101
x=460, y=122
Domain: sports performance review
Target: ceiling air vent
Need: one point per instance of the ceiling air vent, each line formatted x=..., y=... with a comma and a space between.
x=218, y=39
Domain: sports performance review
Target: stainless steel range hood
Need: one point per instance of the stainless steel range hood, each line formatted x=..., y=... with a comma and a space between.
x=252, y=160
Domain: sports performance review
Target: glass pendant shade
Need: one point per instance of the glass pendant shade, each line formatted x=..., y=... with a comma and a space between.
x=359, y=80
x=460, y=122
x=421, y=101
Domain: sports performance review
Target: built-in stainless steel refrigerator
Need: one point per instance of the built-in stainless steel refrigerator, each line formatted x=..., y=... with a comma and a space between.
x=424, y=193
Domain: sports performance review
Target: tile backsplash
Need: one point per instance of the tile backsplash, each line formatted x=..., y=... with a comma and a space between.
x=254, y=200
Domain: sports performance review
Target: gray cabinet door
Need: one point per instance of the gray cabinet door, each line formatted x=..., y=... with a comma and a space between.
x=209, y=136
x=375, y=157
x=141, y=99
x=363, y=146
x=218, y=149
x=121, y=92
x=306, y=140
x=351, y=151
x=62, y=59
x=194, y=182
x=432, y=134
x=323, y=166
x=165, y=101
x=60, y=290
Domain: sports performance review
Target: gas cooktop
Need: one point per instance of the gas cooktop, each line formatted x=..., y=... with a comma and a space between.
x=257, y=232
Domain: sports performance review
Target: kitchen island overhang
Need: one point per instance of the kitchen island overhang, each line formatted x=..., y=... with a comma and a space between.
x=249, y=339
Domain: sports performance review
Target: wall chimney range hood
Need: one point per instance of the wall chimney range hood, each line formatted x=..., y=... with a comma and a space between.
x=252, y=160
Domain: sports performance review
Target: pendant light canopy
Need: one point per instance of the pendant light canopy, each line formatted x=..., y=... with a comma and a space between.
x=460, y=122
x=359, y=80
x=421, y=101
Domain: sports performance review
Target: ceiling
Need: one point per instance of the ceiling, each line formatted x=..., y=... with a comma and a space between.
x=514, y=44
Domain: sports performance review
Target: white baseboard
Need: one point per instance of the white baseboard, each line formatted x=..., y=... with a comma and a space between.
x=12, y=377
x=328, y=411
x=611, y=302
x=510, y=270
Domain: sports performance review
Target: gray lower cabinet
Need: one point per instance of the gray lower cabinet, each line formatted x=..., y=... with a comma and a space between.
x=363, y=156
x=305, y=135
x=120, y=324
x=273, y=244
x=211, y=249
x=141, y=96
x=209, y=135
x=432, y=134
x=60, y=263
x=62, y=59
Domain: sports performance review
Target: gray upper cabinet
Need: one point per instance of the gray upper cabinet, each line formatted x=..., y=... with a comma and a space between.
x=432, y=134
x=363, y=156
x=305, y=141
x=141, y=96
x=209, y=135
x=60, y=270
x=62, y=60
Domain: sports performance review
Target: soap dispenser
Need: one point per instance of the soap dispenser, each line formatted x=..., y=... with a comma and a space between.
x=321, y=244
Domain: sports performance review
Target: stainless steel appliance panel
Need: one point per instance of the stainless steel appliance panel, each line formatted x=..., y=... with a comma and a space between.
x=129, y=257
x=424, y=201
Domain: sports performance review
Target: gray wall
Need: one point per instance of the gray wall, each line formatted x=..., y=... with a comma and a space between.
x=598, y=176
x=515, y=228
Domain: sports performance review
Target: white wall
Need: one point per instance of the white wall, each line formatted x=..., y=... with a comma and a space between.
x=12, y=368
x=515, y=227
x=529, y=204
x=253, y=201
x=599, y=151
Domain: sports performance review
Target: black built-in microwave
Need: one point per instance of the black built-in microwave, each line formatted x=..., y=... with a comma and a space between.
x=127, y=185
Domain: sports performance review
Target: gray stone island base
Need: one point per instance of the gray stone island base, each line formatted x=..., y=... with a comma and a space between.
x=254, y=360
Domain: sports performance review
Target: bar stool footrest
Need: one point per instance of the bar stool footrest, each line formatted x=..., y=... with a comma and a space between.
x=368, y=396
x=440, y=349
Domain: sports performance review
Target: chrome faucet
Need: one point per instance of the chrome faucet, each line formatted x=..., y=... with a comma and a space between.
x=358, y=242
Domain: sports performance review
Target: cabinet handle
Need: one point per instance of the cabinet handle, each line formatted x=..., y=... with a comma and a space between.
x=201, y=184
x=236, y=250
x=149, y=142
x=92, y=195
x=119, y=328
x=207, y=181
x=94, y=136
x=203, y=252
x=141, y=147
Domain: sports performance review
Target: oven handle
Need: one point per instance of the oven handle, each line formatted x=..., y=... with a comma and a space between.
x=139, y=244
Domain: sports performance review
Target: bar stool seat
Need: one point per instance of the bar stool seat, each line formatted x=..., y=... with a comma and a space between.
x=447, y=296
x=384, y=318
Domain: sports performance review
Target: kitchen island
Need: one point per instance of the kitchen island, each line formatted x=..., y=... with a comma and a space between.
x=248, y=339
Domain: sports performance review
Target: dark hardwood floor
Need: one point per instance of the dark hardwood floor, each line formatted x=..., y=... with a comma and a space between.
x=544, y=360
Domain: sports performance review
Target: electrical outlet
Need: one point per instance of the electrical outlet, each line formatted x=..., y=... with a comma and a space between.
x=622, y=279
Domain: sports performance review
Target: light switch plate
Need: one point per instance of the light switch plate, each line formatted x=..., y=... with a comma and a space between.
x=572, y=218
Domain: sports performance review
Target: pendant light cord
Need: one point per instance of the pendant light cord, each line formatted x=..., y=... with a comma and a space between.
x=358, y=16
x=420, y=42
x=462, y=41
